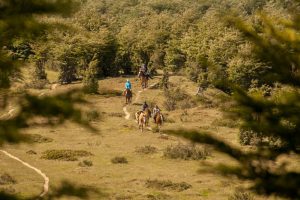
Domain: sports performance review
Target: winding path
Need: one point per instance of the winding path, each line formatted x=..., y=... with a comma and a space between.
x=127, y=114
x=46, y=179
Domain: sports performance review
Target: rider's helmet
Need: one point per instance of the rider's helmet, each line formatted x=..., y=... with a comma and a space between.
x=127, y=80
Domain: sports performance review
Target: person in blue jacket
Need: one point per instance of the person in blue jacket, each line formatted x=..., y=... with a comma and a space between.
x=128, y=85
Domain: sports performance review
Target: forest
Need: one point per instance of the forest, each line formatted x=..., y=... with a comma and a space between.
x=247, y=50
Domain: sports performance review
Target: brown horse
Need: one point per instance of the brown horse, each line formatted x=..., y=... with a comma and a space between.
x=142, y=121
x=147, y=113
x=128, y=95
x=144, y=79
x=158, y=119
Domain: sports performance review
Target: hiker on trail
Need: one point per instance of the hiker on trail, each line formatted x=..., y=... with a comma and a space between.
x=128, y=85
x=145, y=106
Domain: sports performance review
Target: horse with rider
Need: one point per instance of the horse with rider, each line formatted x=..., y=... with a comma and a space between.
x=144, y=76
x=128, y=93
x=143, y=116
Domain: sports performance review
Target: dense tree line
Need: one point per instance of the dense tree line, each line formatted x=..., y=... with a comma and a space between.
x=189, y=37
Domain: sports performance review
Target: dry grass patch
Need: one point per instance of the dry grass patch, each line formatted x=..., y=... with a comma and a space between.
x=225, y=123
x=6, y=179
x=119, y=160
x=186, y=152
x=148, y=149
x=167, y=185
x=65, y=155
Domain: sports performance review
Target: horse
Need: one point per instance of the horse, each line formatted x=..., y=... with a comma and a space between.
x=147, y=113
x=144, y=79
x=158, y=120
x=137, y=115
x=142, y=121
x=128, y=95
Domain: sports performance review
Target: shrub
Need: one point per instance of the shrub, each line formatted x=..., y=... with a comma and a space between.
x=31, y=152
x=170, y=104
x=146, y=149
x=37, y=84
x=90, y=81
x=167, y=185
x=6, y=179
x=186, y=152
x=119, y=160
x=238, y=195
x=249, y=137
x=116, y=114
x=174, y=97
x=92, y=116
x=86, y=163
x=39, y=138
x=65, y=155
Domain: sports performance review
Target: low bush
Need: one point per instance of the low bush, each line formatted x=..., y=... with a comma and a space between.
x=39, y=138
x=37, y=84
x=186, y=152
x=119, y=160
x=169, y=104
x=31, y=152
x=176, y=98
x=92, y=116
x=249, y=137
x=115, y=114
x=6, y=179
x=167, y=185
x=86, y=163
x=146, y=149
x=65, y=155
x=240, y=195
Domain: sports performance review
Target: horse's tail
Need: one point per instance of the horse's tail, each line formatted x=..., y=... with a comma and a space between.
x=162, y=118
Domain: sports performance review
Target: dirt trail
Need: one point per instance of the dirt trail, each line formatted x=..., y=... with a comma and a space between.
x=127, y=114
x=46, y=179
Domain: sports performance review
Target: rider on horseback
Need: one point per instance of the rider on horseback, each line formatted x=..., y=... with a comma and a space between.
x=145, y=106
x=156, y=110
x=144, y=69
x=128, y=85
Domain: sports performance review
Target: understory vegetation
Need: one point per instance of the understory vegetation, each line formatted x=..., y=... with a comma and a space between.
x=65, y=155
x=167, y=185
x=186, y=152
